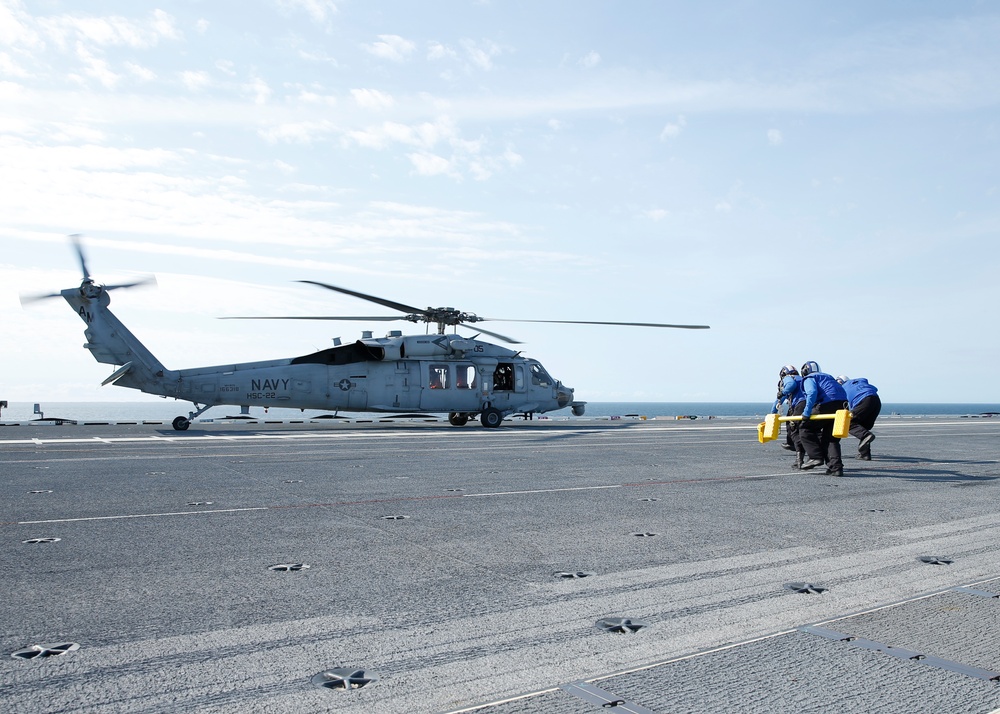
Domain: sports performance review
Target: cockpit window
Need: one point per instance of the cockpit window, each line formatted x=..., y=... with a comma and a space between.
x=539, y=376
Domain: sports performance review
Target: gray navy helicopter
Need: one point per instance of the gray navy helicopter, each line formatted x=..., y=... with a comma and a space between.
x=431, y=373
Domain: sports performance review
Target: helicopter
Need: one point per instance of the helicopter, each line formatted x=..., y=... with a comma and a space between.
x=464, y=377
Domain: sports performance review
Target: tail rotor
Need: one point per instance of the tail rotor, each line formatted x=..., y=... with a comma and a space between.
x=88, y=288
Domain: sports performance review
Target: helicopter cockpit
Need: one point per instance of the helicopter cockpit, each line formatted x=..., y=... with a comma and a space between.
x=539, y=377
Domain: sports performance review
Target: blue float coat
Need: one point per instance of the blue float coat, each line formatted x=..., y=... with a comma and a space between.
x=820, y=388
x=858, y=389
x=791, y=390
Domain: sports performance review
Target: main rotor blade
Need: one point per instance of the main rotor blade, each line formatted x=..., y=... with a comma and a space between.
x=477, y=328
x=78, y=244
x=370, y=298
x=598, y=322
x=379, y=318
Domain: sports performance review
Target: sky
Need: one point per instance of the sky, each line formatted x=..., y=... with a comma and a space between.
x=815, y=181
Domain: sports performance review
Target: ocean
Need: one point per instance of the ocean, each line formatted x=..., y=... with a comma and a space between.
x=166, y=410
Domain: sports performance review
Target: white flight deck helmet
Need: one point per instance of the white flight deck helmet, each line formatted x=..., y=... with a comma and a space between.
x=788, y=369
x=809, y=368
x=841, y=379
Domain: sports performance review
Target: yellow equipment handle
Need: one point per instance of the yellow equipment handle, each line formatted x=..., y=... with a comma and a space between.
x=770, y=428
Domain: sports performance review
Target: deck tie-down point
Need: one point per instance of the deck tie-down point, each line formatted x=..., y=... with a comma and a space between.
x=806, y=588
x=343, y=678
x=53, y=650
x=935, y=560
x=621, y=625
x=289, y=567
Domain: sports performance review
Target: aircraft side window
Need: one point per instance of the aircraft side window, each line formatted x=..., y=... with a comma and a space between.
x=465, y=376
x=438, y=376
x=519, y=382
x=503, y=377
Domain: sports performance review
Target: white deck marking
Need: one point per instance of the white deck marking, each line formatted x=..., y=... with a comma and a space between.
x=141, y=515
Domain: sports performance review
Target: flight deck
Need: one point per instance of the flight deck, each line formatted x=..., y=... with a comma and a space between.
x=542, y=566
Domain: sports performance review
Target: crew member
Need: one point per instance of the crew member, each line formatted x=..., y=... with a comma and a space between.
x=790, y=426
x=824, y=395
x=865, y=408
x=790, y=390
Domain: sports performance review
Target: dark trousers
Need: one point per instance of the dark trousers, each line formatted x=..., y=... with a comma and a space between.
x=863, y=418
x=794, y=437
x=818, y=439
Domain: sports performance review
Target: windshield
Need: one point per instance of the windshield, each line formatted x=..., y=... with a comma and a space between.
x=539, y=376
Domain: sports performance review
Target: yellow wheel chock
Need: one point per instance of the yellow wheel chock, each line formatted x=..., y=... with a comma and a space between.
x=770, y=428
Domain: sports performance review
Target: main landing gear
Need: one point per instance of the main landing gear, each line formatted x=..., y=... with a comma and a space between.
x=491, y=418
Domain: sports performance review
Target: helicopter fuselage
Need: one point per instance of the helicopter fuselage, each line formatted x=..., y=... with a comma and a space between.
x=435, y=373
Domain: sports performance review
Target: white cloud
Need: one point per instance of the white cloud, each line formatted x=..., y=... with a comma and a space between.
x=437, y=51
x=15, y=26
x=201, y=27
x=466, y=155
x=723, y=207
x=309, y=97
x=774, y=137
x=72, y=133
x=195, y=80
x=481, y=55
x=297, y=132
x=259, y=89
x=318, y=57
x=673, y=129
x=226, y=67
x=391, y=47
x=139, y=72
x=9, y=68
x=656, y=214
x=589, y=60
x=163, y=24
x=372, y=99
x=318, y=10
x=90, y=157
x=96, y=67
x=431, y=165
x=425, y=135
x=112, y=31
x=512, y=158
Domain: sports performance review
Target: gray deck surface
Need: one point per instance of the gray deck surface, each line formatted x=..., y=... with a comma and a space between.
x=433, y=554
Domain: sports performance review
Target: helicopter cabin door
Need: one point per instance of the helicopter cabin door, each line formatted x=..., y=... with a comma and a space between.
x=449, y=387
x=508, y=384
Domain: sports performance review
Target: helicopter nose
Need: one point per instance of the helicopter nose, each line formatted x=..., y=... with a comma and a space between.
x=564, y=395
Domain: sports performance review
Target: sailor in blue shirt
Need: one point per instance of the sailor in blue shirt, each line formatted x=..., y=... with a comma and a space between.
x=824, y=395
x=865, y=408
x=790, y=390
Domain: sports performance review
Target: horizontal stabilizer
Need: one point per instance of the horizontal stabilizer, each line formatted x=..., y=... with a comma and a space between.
x=117, y=374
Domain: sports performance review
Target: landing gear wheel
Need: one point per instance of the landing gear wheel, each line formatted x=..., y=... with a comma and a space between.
x=458, y=418
x=491, y=418
x=181, y=423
